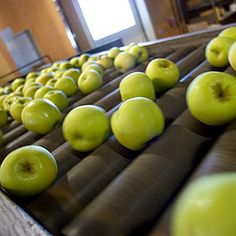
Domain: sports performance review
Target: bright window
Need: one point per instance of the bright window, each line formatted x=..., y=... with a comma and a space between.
x=106, y=17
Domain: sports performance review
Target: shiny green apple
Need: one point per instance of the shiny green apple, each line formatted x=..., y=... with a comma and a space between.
x=232, y=56
x=137, y=121
x=140, y=53
x=113, y=52
x=229, y=32
x=42, y=91
x=86, y=127
x=124, y=62
x=16, y=83
x=41, y=116
x=73, y=73
x=136, y=84
x=67, y=85
x=211, y=98
x=163, y=73
x=105, y=61
x=44, y=78
x=206, y=207
x=28, y=170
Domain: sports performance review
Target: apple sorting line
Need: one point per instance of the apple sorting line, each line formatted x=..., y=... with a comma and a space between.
x=113, y=190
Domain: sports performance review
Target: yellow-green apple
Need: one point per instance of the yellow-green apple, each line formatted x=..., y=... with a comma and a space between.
x=211, y=98
x=163, y=73
x=58, y=97
x=44, y=78
x=229, y=32
x=8, y=101
x=89, y=81
x=59, y=73
x=94, y=66
x=136, y=84
x=67, y=85
x=2, y=98
x=31, y=90
x=86, y=127
x=20, y=89
x=56, y=64
x=92, y=58
x=28, y=170
x=30, y=84
x=105, y=61
x=139, y=52
x=52, y=82
x=137, y=121
x=217, y=50
x=17, y=107
x=83, y=58
x=16, y=83
x=3, y=117
x=206, y=207
x=73, y=73
x=65, y=65
x=130, y=45
x=42, y=91
x=32, y=75
x=113, y=52
x=7, y=89
x=41, y=116
x=124, y=62
x=52, y=70
x=75, y=62
x=232, y=56
x=29, y=81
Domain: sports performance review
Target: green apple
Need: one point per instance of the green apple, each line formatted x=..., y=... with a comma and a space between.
x=20, y=89
x=28, y=170
x=75, y=62
x=8, y=89
x=58, y=97
x=124, y=62
x=32, y=75
x=139, y=52
x=206, y=207
x=44, y=78
x=59, y=73
x=89, y=81
x=17, y=107
x=41, y=116
x=2, y=98
x=163, y=73
x=86, y=127
x=42, y=91
x=65, y=65
x=229, y=32
x=31, y=90
x=130, y=45
x=29, y=81
x=3, y=117
x=105, y=61
x=30, y=84
x=16, y=83
x=136, y=84
x=73, y=73
x=211, y=98
x=88, y=62
x=52, y=82
x=232, y=56
x=67, y=85
x=83, y=58
x=217, y=50
x=56, y=64
x=9, y=100
x=137, y=121
x=94, y=66
x=113, y=52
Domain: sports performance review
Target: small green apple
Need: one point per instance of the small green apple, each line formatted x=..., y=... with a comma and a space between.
x=31, y=90
x=32, y=75
x=73, y=73
x=8, y=101
x=52, y=82
x=75, y=62
x=94, y=66
x=105, y=61
x=41, y=116
x=113, y=52
x=16, y=83
x=2, y=98
x=232, y=56
x=229, y=32
x=83, y=58
x=59, y=74
x=136, y=84
x=124, y=62
x=211, y=98
x=3, y=118
x=65, y=65
x=44, y=78
x=137, y=121
x=217, y=50
x=28, y=170
x=89, y=81
x=56, y=64
x=30, y=84
x=17, y=107
x=42, y=91
x=206, y=207
x=86, y=127
x=58, y=97
x=130, y=45
x=163, y=73
x=20, y=89
x=139, y=52
x=67, y=85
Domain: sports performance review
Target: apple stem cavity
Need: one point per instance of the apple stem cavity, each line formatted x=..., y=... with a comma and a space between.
x=164, y=63
x=27, y=168
x=221, y=92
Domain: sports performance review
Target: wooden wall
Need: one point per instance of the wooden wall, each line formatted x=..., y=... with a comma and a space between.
x=45, y=23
